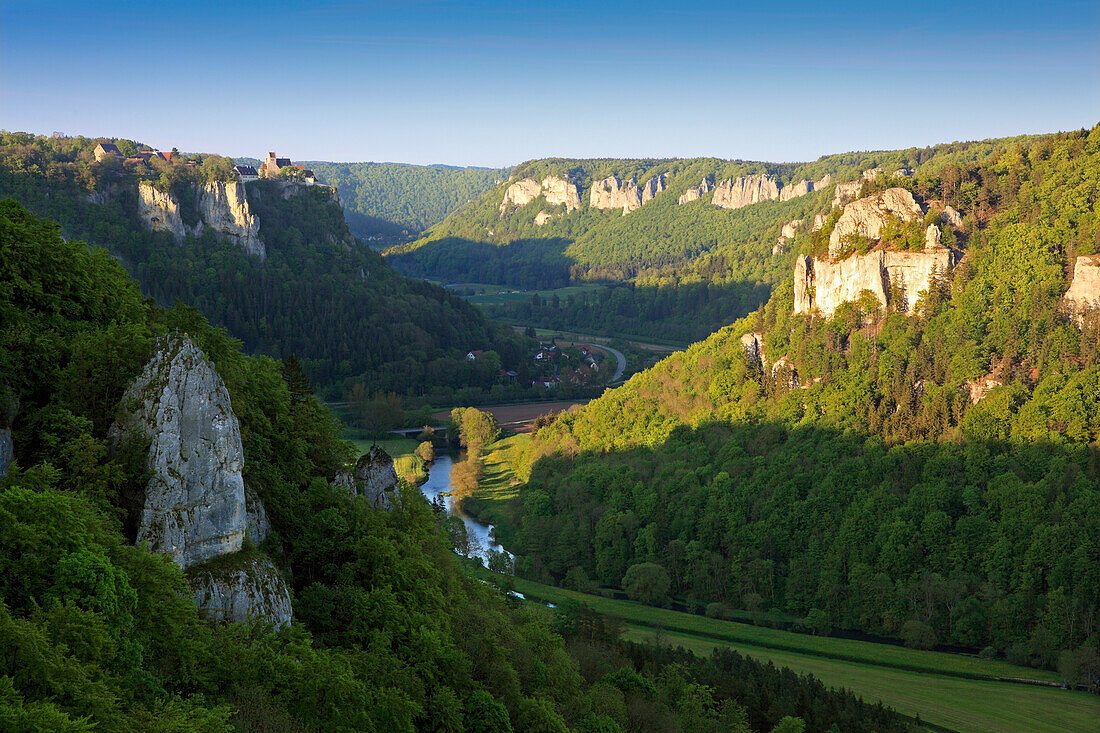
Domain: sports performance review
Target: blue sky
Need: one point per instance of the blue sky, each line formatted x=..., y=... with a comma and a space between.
x=495, y=83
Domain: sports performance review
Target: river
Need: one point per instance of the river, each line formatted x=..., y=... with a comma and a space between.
x=439, y=484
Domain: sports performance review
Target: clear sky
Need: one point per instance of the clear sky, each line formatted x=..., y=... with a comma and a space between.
x=496, y=83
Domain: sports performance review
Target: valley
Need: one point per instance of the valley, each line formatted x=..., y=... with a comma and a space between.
x=759, y=446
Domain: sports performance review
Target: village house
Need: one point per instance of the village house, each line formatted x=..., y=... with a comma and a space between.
x=246, y=172
x=107, y=150
x=473, y=355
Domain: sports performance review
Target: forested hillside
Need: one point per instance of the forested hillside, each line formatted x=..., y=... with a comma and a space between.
x=394, y=202
x=928, y=475
x=721, y=256
x=389, y=631
x=356, y=325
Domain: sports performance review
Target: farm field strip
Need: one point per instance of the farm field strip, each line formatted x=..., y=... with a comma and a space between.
x=964, y=705
x=884, y=655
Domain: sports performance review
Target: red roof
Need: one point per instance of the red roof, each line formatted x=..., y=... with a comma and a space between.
x=166, y=156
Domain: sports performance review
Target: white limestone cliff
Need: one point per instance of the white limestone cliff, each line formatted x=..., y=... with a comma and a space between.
x=222, y=206
x=821, y=285
x=694, y=194
x=867, y=216
x=1083, y=296
x=555, y=190
x=611, y=193
x=195, y=507
x=745, y=190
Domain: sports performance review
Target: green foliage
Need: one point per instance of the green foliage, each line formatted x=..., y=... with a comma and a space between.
x=394, y=202
x=876, y=497
x=673, y=271
x=321, y=296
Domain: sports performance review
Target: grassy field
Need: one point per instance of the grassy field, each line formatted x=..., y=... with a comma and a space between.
x=488, y=294
x=887, y=655
x=951, y=690
x=960, y=704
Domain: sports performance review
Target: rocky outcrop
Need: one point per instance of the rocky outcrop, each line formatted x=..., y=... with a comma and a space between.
x=786, y=233
x=976, y=389
x=1083, y=296
x=555, y=190
x=559, y=191
x=821, y=285
x=652, y=187
x=542, y=217
x=867, y=216
x=9, y=408
x=870, y=175
x=7, y=451
x=845, y=192
x=611, y=193
x=520, y=193
x=257, y=525
x=952, y=217
x=235, y=589
x=745, y=190
x=902, y=173
x=819, y=222
x=694, y=194
x=194, y=507
x=161, y=212
x=374, y=479
x=753, y=345
x=222, y=206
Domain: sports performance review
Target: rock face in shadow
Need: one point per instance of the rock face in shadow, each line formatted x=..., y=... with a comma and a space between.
x=241, y=587
x=9, y=408
x=195, y=507
x=374, y=479
x=1083, y=296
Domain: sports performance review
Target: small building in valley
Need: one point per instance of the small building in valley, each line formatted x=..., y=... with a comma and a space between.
x=246, y=172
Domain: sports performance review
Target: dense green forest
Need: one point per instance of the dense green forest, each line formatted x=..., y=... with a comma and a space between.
x=930, y=476
x=694, y=254
x=358, y=327
x=389, y=632
x=391, y=203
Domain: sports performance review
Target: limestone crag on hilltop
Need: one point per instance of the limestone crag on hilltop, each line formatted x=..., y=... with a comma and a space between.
x=745, y=190
x=611, y=193
x=194, y=507
x=222, y=207
x=894, y=278
x=694, y=194
x=867, y=216
x=556, y=190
